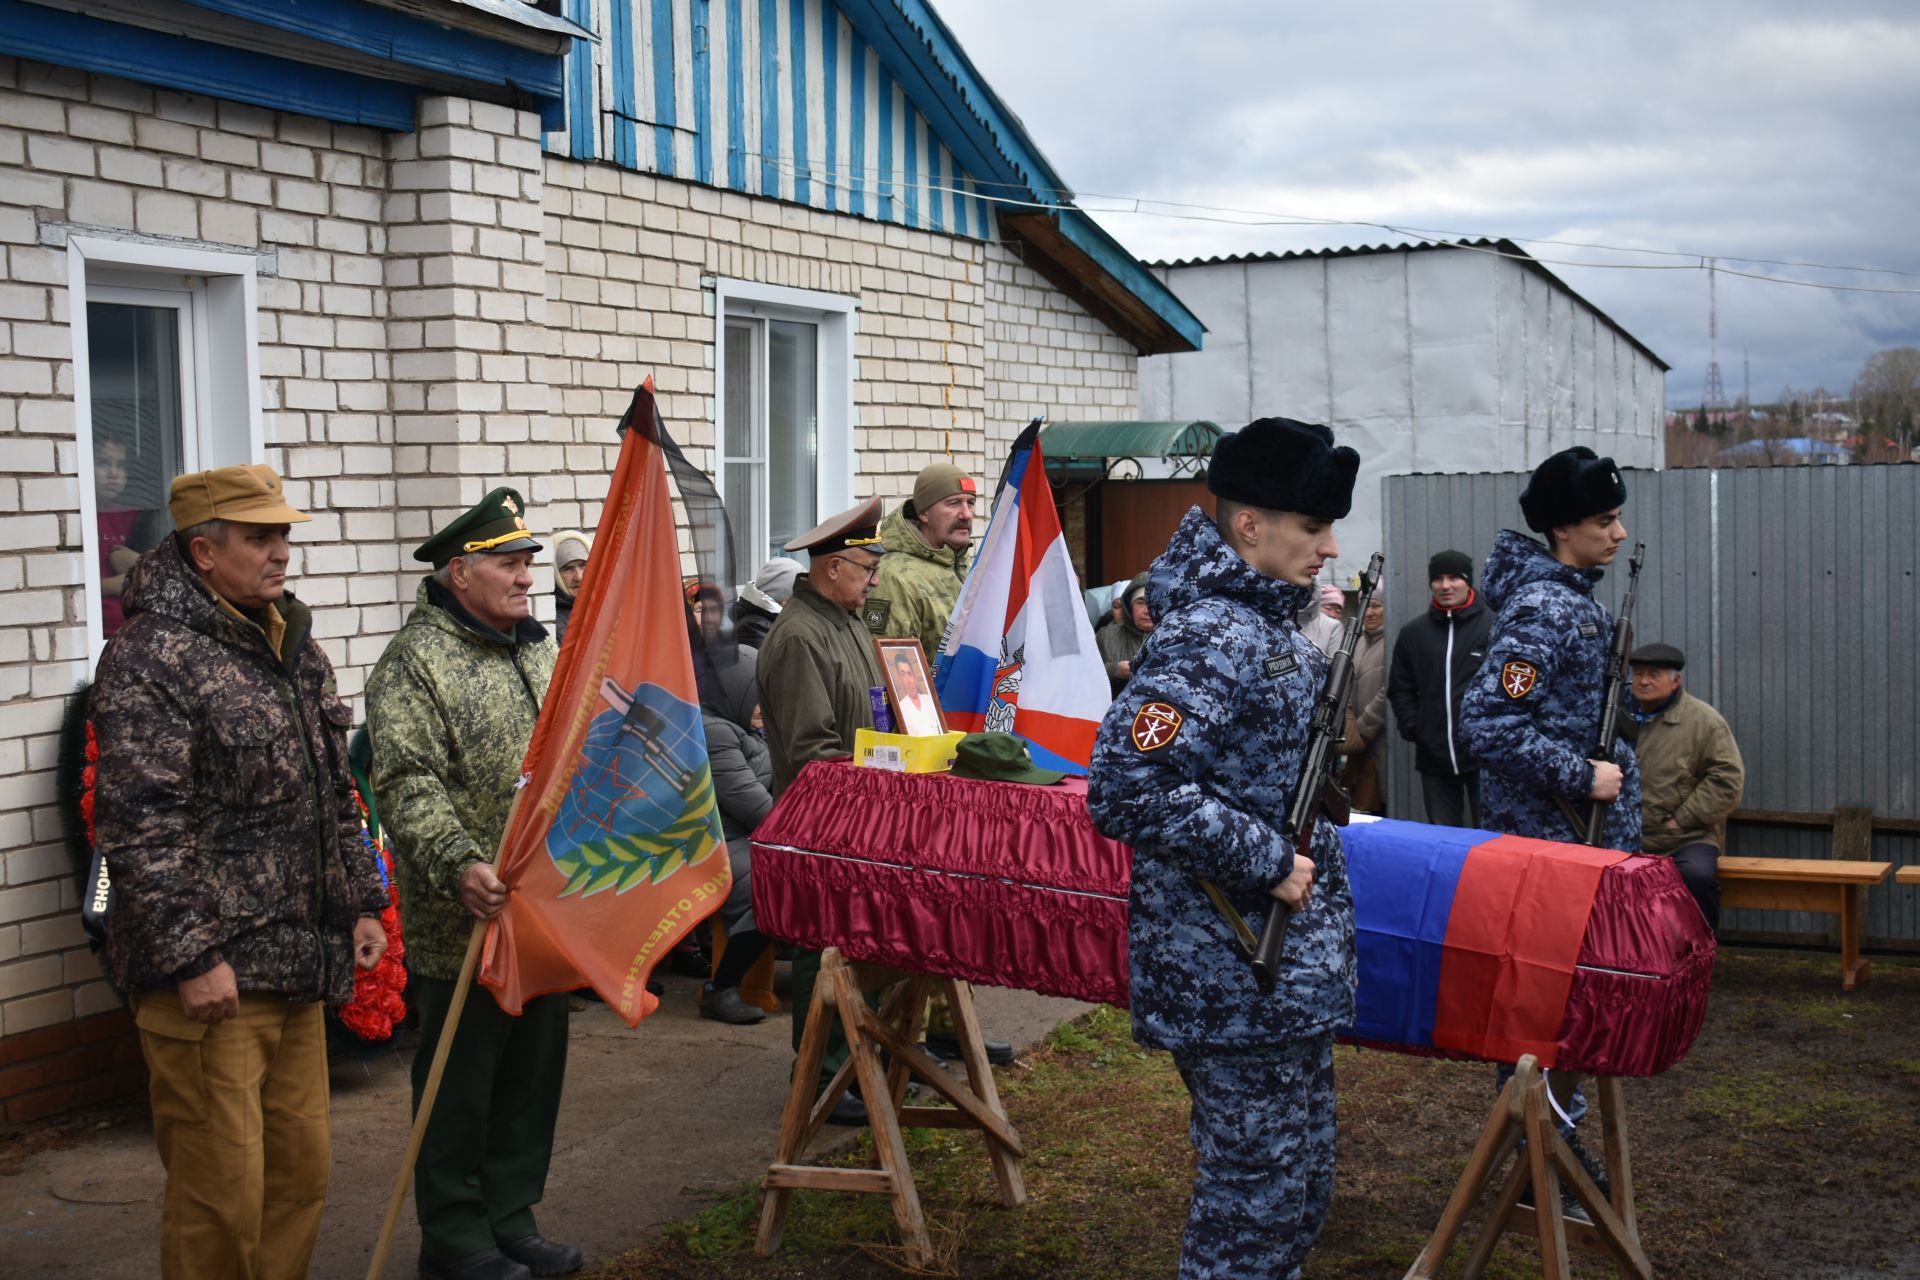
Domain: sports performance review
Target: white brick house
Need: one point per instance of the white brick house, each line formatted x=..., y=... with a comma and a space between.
x=403, y=279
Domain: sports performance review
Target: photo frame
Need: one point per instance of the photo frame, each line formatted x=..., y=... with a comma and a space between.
x=909, y=684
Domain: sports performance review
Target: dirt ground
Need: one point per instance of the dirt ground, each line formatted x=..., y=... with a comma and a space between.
x=1783, y=1148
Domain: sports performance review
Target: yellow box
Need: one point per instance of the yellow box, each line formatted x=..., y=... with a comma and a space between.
x=905, y=753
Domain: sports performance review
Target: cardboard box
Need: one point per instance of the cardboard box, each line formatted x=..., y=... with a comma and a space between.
x=904, y=753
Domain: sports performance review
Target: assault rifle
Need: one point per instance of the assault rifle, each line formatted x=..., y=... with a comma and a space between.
x=1617, y=681
x=1316, y=792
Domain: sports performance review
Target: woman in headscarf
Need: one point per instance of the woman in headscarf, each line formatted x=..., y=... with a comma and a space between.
x=570, y=547
x=742, y=782
x=1121, y=643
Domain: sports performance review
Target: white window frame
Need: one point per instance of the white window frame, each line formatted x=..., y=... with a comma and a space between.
x=217, y=295
x=835, y=317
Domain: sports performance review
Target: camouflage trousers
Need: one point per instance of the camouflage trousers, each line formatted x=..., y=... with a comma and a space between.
x=1263, y=1133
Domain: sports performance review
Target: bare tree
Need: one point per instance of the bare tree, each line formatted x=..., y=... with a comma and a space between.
x=1887, y=393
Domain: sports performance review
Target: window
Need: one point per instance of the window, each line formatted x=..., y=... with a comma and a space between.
x=165, y=382
x=785, y=413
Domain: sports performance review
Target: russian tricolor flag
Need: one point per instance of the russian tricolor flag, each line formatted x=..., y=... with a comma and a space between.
x=1019, y=655
x=1467, y=940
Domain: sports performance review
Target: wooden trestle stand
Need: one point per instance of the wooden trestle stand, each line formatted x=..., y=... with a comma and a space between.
x=838, y=998
x=1524, y=1112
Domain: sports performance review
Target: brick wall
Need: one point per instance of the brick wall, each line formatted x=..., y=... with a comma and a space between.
x=440, y=311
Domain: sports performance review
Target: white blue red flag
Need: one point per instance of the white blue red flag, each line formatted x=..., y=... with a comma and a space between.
x=1019, y=655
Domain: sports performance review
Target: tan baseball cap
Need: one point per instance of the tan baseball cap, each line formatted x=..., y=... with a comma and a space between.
x=249, y=494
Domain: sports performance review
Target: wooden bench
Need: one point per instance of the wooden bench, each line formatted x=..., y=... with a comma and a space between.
x=1907, y=875
x=1835, y=886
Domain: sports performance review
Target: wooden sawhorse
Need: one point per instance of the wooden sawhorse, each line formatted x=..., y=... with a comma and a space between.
x=1523, y=1113
x=838, y=997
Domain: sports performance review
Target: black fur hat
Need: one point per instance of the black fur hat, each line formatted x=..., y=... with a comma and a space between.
x=1282, y=465
x=1570, y=486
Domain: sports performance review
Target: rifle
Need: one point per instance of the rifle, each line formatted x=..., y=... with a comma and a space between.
x=1617, y=681
x=1316, y=792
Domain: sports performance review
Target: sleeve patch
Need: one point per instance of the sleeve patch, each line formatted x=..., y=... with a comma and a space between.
x=1155, y=725
x=1518, y=678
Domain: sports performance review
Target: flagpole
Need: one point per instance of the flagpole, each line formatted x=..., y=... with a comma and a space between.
x=441, y=1049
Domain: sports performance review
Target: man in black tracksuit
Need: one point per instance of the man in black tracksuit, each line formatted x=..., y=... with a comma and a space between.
x=1434, y=657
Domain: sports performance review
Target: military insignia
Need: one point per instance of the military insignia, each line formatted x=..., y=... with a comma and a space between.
x=1154, y=726
x=1283, y=665
x=875, y=614
x=520, y=523
x=512, y=508
x=1589, y=630
x=1518, y=679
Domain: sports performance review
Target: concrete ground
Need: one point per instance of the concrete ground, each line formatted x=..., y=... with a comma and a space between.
x=655, y=1124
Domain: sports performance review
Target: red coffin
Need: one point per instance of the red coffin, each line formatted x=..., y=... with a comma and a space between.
x=1009, y=885
x=1001, y=883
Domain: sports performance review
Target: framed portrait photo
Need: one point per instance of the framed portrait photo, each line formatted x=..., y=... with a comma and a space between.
x=903, y=669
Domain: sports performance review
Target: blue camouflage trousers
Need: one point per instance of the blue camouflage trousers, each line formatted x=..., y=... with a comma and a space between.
x=1263, y=1133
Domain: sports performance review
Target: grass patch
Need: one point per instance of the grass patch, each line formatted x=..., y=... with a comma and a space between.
x=1781, y=1148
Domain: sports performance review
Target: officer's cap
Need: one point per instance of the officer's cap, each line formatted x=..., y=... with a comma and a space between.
x=856, y=529
x=497, y=524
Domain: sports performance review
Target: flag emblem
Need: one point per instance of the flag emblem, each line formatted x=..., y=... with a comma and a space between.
x=1154, y=726
x=1518, y=679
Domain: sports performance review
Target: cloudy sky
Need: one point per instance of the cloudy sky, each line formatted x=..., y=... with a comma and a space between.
x=1739, y=129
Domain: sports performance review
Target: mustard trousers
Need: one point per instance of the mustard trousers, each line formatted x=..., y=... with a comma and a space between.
x=240, y=1115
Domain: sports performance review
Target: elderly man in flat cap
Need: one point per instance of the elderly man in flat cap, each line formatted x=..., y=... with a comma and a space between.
x=451, y=707
x=224, y=808
x=1691, y=774
x=817, y=674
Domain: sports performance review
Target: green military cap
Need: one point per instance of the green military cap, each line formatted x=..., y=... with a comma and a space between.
x=497, y=523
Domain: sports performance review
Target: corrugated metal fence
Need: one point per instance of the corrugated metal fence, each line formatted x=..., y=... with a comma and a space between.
x=1792, y=592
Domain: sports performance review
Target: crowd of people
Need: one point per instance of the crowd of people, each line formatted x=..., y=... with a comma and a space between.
x=226, y=810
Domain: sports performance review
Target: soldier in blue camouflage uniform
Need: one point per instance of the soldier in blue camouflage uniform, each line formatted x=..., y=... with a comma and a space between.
x=1195, y=767
x=1531, y=714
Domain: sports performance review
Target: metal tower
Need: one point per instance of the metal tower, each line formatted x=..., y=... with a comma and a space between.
x=1715, y=396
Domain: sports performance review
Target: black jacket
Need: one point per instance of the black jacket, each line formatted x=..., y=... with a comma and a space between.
x=1434, y=658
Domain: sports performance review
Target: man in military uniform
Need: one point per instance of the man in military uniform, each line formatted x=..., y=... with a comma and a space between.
x=927, y=540
x=1195, y=766
x=817, y=674
x=1531, y=715
x=451, y=706
x=1691, y=774
x=223, y=806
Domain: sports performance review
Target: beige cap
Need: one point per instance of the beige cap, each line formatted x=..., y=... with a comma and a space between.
x=249, y=495
x=937, y=482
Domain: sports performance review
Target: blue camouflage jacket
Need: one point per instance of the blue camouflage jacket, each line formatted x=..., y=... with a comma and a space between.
x=1194, y=767
x=1531, y=714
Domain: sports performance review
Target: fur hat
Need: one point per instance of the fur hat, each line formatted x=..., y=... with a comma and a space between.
x=1570, y=486
x=1278, y=464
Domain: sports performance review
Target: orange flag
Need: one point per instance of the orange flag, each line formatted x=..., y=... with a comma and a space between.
x=615, y=849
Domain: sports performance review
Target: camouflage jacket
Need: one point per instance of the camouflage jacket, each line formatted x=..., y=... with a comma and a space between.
x=224, y=803
x=451, y=706
x=815, y=670
x=1531, y=714
x=1195, y=766
x=918, y=588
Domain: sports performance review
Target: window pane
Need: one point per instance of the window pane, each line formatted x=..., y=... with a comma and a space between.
x=737, y=431
x=134, y=358
x=744, y=505
x=793, y=446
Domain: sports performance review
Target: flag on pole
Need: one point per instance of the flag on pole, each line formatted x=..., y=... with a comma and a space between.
x=615, y=849
x=1019, y=655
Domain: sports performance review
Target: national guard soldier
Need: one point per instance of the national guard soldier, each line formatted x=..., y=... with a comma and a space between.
x=1531, y=715
x=1195, y=766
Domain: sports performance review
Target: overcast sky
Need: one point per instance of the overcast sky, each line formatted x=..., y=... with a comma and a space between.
x=1754, y=130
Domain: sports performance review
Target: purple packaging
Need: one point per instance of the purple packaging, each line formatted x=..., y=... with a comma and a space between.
x=882, y=713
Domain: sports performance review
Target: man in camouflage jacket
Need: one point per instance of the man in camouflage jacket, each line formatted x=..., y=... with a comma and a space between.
x=224, y=809
x=928, y=540
x=1195, y=766
x=451, y=707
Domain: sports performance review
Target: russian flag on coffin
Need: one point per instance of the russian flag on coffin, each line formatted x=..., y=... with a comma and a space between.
x=1019, y=655
x=1467, y=939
